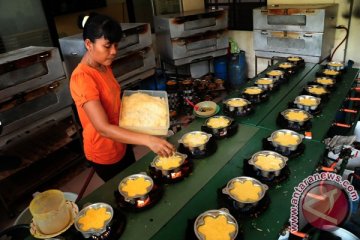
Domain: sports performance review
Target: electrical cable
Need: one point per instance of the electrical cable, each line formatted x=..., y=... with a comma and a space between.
x=346, y=36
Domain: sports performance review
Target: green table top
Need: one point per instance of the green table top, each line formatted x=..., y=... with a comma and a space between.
x=145, y=224
x=265, y=108
x=322, y=122
x=270, y=222
x=185, y=200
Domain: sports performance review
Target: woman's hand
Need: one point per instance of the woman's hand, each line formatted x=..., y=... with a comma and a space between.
x=160, y=146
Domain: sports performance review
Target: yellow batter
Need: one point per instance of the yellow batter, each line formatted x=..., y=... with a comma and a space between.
x=253, y=91
x=317, y=90
x=286, y=139
x=218, y=122
x=216, y=228
x=285, y=65
x=137, y=186
x=268, y=162
x=325, y=81
x=296, y=116
x=195, y=139
x=237, y=103
x=295, y=59
x=274, y=73
x=166, y=163
x=335, y=64
x=330, y=72
x=307, y=101
x=246, y=191
x=264, y=81
x=94, y=219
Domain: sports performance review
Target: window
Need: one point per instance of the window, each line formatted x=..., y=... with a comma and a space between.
x=240, y=11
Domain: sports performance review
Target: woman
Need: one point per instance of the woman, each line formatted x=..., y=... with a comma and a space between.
x=96, y=94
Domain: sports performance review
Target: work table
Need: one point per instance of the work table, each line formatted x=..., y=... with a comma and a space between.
x=182, y=202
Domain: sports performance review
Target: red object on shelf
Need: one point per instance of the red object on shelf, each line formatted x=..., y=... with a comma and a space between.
x=344, y=125
x=299, y=234
x=348, y=110
x=353, y=99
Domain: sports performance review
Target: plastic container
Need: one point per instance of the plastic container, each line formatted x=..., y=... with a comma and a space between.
x=141, y=116
x=220, y=68
x=206, y=108
x=49, y=211
x=25, y=216
x=237, y=69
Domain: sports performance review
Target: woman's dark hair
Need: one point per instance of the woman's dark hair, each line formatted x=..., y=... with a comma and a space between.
x=98, y=25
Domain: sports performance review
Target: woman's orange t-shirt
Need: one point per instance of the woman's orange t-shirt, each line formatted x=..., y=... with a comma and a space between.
x=88, y=84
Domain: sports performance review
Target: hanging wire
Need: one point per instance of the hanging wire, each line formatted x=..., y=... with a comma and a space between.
x=346, y=36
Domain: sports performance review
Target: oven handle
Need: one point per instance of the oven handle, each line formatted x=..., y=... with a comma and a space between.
x=142, y=53
x=199, y=38
x=46, y=55
x=54, y=85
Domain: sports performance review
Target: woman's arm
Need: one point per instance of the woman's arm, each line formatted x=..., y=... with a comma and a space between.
x=100, y=121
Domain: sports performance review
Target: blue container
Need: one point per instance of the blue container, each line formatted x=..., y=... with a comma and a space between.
x=155, y=82
x=161, y=84
x=220, y=68
x=160, y=80
x=237, y=69
x=148, y=83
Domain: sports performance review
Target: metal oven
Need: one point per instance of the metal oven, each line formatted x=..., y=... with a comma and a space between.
x=190, y=23
x=36, y=121
x=33, y=85
x=25, y=69
x=25, y=108
x=191, y=36
x=136, y=36
x=296, y=18
x=304, y=30
x=296, y=43
x=133, y=82
x=177, y=48
x=133, y=63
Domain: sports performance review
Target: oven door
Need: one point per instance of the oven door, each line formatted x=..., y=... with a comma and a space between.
x=25, y=108
x=295, y=19
x=191, y=23
x=28, y=68
x=135, y=36
x=177, y=48
x=297, y=43
x=133, y=63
